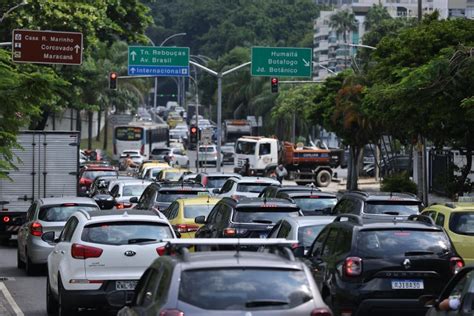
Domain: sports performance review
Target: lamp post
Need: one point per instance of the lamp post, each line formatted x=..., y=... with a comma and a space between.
x=156, y=78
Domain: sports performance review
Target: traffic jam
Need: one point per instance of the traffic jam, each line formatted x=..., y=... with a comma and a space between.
x=171, y=227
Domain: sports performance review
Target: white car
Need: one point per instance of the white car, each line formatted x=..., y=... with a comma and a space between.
x=244, y=187
x=207, y=155
x=122, y=191
x=150, y=173
x=135, y=155
x=100, y=252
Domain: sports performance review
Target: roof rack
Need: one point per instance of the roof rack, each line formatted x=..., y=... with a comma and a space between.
x=450, y=204
x=421, y=218
x=350, y=218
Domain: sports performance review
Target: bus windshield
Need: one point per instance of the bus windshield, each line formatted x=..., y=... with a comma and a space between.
x=129, y=133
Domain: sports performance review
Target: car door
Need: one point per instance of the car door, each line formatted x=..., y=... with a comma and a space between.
x=24, y=229
x=61, y=251
x=322, y=248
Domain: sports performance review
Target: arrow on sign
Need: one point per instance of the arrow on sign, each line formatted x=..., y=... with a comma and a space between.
x=306, y=63
x=77, y=47
x=133, y=54
x=132, y=70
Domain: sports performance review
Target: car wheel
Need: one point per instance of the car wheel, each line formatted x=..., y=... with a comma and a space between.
x=51, y=302
x=30, y=267
x=20, y=264
x=323, y=178
x=63, y=309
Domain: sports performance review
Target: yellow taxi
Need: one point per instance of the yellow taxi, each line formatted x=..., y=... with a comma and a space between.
x=151, y=164
x=174, y=119
x=182, y=212
x=171, y=174
x=458, y=221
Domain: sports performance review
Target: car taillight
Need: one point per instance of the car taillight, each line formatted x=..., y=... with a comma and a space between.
x=321, y=312
x=230, y=232
x=84, y=252
x=186, y=228
x=456, y=264
x=36, y=229
x=161, y=250
x=6, y=219
x=171, y=312
x=142, y=150
x=353, y=266
x=123, y=205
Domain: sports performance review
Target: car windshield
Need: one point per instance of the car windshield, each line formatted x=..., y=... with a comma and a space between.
x=307, y=234
x=134, y=190
x=244, y=288
x=252, y=187
x=263, y=215
x=94, y=174
x=171, y=196
x=173, y=175
x=193, y=211
x=392, y=208
x=397, y=242
x=216, y=182
x=61, y=213
x=207, y=149
x=124, y=233
x=462, y=223
x=245, y=148
x=315, y=204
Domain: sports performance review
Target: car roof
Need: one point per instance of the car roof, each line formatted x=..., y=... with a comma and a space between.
x=258, y=202
x=130, y=214
x=384, y=196
x=220, y=174
x=127, y=182
x=229, y=259
x=452, y=207
x=179, y=188
x=256, y=180
x=98, y=168
x=67, y=199
x=386, y=224
x=297, y=194
x=310, y=220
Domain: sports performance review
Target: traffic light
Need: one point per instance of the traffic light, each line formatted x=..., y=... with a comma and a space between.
x=193, y=134
x=113, y=81
x=274, y=82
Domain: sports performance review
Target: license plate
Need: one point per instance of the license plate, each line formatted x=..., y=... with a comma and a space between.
x=407, y=285
x=125, y=285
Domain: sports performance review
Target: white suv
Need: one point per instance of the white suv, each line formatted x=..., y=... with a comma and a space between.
x=245, y=187
x=99, y=252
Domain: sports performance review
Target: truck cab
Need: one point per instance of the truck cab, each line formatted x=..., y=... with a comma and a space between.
x=262, y=153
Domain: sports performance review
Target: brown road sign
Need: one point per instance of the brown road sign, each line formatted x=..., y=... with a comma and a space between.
x=47, y=47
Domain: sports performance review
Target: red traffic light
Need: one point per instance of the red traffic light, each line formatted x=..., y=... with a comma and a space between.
x=193, y=129
x=274, y=80
x=113, y=75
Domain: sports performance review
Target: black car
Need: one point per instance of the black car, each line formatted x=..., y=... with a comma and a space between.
x=272, y=190
x=395, y=164
x=244, y=218
x=378, y=205
x=159, y=196
x=381, y=268
x=311, y=203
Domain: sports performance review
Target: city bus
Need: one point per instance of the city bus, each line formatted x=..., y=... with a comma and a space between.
x=143, y=136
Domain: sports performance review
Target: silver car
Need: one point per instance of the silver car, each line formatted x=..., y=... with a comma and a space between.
x=225, y=283
x=44, y=215
x=123, y=190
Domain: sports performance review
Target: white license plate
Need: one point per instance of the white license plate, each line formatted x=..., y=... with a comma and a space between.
x=125, y=285
x=407, y=285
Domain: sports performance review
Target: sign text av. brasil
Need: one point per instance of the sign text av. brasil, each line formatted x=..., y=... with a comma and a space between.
x=158, y=61
x=281, y=62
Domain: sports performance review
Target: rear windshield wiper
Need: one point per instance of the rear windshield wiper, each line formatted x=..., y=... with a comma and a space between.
x=262, y=221
x=418, y=253
x=266, y=302
x=140, y=240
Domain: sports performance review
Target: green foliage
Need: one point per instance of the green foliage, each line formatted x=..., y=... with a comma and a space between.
x=343, y=22
x=398, y=183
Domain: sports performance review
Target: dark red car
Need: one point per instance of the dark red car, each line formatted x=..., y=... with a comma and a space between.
x=88, y=174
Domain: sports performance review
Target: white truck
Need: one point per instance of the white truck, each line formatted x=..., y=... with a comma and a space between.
x=48, y=167
x=234, y=129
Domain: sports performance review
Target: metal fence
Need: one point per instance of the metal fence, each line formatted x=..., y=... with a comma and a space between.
x=440, y=170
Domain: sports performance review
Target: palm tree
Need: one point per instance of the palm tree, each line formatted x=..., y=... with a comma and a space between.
x=376, y=14
x=343, y=22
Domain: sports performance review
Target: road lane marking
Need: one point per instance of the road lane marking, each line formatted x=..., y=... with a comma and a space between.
x=10, y=300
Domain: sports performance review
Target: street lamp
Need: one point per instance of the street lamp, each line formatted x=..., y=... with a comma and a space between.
x=11, y=9
x=156, y=78
x=359, y=45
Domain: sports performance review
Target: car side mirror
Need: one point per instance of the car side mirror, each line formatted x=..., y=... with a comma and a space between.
x=298, y=251
x=48, y=237
x=200, y=219
x=216, y=191
x=178, y=234
x=118, y=298
x=133, y=199
x=428, y=301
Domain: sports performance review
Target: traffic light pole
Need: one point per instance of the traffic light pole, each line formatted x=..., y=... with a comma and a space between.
x=219, y=76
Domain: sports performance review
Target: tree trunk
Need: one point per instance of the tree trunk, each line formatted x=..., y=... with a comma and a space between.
x=465, y=172
x=106, y=129
x=99, y=116
x=353, y=172
x=78, y=121
x=89, y=129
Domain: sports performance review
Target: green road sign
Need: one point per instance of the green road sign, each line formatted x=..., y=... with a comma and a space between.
x=282, y=62
x=158, y=61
